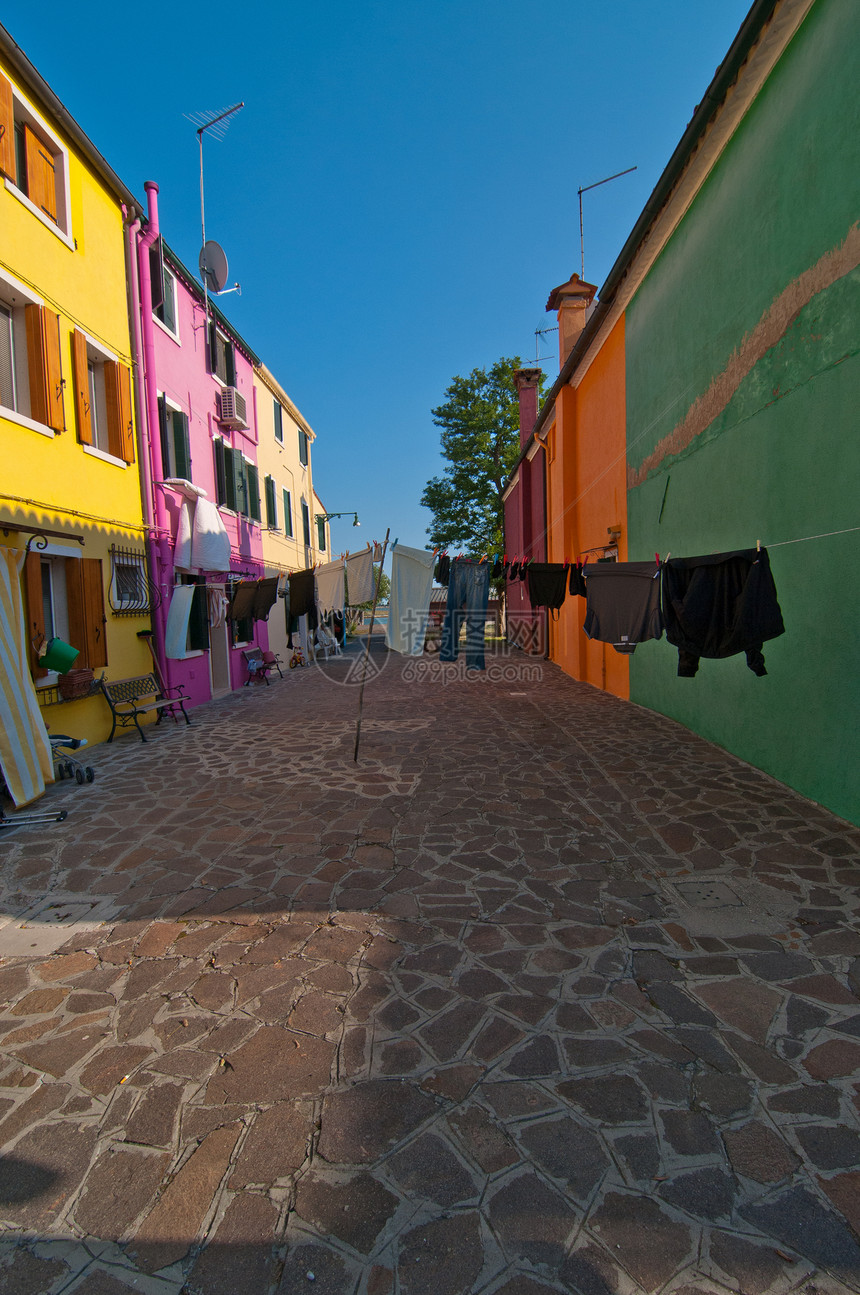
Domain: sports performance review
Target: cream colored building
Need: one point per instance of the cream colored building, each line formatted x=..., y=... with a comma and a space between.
x=291, y=539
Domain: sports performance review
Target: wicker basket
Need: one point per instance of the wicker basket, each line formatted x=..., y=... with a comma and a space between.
x=76, y=683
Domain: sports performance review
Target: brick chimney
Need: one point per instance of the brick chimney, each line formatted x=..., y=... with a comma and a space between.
x=571, y=301
x=527, y=382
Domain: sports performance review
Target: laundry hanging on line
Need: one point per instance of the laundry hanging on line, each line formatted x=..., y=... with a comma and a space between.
x=409, y=600
x=330, y=587
x=623, y=603
x=468, y=593
x=719, y=605
x=359, y=576
x=547, y=582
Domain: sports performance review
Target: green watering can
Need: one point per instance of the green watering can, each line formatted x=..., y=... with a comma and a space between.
x=59, y=656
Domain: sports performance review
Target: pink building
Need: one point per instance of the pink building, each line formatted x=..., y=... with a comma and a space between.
x=198, y=425
x=525, y=519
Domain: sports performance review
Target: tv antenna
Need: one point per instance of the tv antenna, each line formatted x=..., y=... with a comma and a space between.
x=213, y=262
x=540, y=334
x=583, y=190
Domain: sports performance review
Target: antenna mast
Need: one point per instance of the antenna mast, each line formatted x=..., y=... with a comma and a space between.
x=585, y=189
x=219, y=121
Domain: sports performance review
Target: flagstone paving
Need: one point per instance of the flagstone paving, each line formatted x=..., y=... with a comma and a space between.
x=543, y=994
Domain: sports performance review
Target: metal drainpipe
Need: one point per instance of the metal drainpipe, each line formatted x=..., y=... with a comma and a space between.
x=160, y=546
x=144, y=460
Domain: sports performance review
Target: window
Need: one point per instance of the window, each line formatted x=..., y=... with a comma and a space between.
x=253, y=475
x=165, y=311
x=128, y=593
x=197, y=637
x=65, y=597
x=271, y=505
x=306, y=524
x=237, y=482
x=303, y=448
x=321, y=534
x=288, y=514
x=279, y=422
x=31, y=374
x=34, y=162
x=9, y=396
x=175, y=445
x=222, y=361
x=103, y=408
x=241, y=631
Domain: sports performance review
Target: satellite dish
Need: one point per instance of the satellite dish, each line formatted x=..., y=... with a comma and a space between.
x=213, y=266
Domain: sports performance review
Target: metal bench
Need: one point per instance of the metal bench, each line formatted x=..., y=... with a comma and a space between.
x=130, y=698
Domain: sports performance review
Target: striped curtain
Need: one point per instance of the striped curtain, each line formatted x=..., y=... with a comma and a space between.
x=25, y=750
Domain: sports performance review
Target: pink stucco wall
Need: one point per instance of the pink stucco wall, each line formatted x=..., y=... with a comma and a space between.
x=180, y=373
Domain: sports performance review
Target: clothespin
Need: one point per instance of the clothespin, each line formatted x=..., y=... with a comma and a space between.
x=758, y=546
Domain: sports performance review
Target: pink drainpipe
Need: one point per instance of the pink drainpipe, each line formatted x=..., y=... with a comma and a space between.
x=142, y=421
x=160, y=551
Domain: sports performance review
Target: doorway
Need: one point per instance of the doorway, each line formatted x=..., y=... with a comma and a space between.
x=219, y=658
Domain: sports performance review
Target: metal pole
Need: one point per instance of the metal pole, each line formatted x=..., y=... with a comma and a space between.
x=585, y=189
x=367, y=649
x=203, y=244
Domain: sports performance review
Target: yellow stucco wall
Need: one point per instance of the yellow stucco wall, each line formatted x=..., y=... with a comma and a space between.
x=280, y=460
x=49, y=479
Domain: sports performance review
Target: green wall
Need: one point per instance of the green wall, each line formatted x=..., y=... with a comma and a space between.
x=779, y=459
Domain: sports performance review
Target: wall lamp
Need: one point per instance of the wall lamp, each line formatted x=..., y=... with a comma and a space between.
x=326, y=517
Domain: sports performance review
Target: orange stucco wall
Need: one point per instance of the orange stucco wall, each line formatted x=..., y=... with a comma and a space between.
x=586, y=493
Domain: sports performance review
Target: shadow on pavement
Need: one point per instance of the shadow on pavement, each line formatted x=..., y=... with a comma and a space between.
x=545, y=994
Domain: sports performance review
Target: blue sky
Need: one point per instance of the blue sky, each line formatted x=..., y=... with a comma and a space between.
x=399, y=195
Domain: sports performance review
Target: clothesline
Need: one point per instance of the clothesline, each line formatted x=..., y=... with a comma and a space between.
x=804, y=538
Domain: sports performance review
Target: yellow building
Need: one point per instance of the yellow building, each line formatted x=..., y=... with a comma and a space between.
x=291, y=536
x=67, y=419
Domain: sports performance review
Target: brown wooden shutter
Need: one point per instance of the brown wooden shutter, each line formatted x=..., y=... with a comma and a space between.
x=94, y=603
x=85, y=600
x=113, y=401
x=126, y=417
x=45, y=368
x=80, y=365
x=41, y=178
x=35, y=615
x=7, y=131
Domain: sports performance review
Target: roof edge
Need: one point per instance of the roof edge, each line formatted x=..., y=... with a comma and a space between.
x=36, y=84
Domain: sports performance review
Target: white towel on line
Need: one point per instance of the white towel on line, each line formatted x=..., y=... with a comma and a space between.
x=359, y=577
x=409, y=601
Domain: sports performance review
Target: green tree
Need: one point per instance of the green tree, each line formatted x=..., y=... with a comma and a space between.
x=480, y=440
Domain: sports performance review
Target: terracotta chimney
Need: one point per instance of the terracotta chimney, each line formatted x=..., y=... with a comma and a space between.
x=527, y=382
x=571, y=300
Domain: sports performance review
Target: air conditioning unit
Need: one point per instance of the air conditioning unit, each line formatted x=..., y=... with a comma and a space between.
x=232, y=411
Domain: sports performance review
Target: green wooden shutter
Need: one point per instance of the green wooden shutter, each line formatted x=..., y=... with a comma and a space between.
x=253, y=492
x=181, y=446
x=271, y=506
x=288, y=514
x=164, y=438
x=220, y=475
x=231, y=491
x=241, y=483
x=198, y=621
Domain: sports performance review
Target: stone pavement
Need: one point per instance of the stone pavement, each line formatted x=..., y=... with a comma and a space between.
x=544, y=994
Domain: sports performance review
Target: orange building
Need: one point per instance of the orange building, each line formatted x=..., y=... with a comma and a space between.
x=582, y=425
